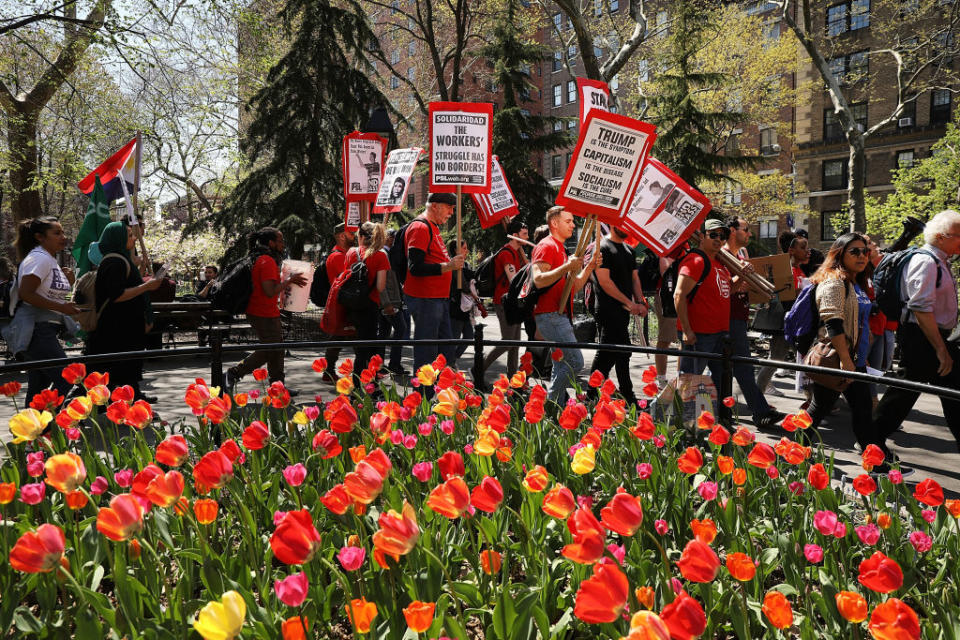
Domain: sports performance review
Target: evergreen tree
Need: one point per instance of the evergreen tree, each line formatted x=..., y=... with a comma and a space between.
x=689, y=138
x=318, y=92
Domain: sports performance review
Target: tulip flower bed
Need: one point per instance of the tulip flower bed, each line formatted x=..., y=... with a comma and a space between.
x=381, y=513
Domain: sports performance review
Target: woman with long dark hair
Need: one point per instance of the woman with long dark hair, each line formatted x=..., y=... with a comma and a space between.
x=40, y=300
x=844, y=308
x=370, y=237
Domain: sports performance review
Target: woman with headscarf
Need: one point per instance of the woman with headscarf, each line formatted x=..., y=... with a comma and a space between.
x=122, y=306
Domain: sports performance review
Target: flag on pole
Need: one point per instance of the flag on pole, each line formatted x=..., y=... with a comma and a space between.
x=98, y=217
x=117, y=174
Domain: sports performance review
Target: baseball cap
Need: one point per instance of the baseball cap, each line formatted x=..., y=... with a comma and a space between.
x=714, y=223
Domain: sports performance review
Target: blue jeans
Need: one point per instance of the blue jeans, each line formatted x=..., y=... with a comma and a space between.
x=880, y=355
x=706, y=343
x=555, y=327
x=431, y=321
x=744, y=372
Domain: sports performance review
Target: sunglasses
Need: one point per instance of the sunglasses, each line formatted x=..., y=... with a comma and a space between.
x=856, y=252
x=723, y=234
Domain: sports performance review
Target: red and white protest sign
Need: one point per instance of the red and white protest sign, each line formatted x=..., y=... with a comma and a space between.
x=593, y=94
x=499, y=203
x=606, y=166
x=362, y=165
x=352, y=218
x=396, y=180
x=665, y=210
x=461, y=146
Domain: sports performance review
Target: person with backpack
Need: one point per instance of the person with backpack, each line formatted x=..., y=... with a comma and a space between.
x=369, y=262
x=549, y=270
x=325, y=274
x=843, y=307
x=394, y=318
x=506, y=262
x=263, y=311
x=927, y=292
x=464, y=303
x=428, y=271
x=619, y=295
x=702, y=300
x=121, y=301
x=38, y=302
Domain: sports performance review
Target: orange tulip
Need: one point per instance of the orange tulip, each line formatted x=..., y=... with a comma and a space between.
x=122, y=519
x=419, y=615
x=76, y=500
x=296, y=540
x=398, y=532
x=690, y=461
x=739, y=477
x=777, y=609
x=894, y=620
x=602, y=597
x=292, y=628
x=725, y=464
x=451, y=498
x=646, y=625
x=172, y=451
x=205, y=510
x=762, y=455
x=364, y=483
x=65, y=472
x=337, y=500
x=852, y=606
x=490, y=561
x=38, y=551
x=361, y=614
x=645, y=596
x=698, y=562
x=953, y=507
x=8, y=491
x=165, y=489
x=559, y=502
x=588, y=538
x=536, y=479
x=74, y=373
x=741, y=567
x=623, y=514
x=704, y=530
x=357, y=453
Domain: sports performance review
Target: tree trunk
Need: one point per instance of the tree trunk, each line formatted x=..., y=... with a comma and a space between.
x=22, y=143
x=857, y=166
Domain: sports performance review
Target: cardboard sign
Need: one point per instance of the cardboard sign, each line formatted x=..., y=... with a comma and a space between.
x=665, y=210
x=362, y=165
x=352, y=218
x=593, y=94
x=778, y=271
x=461, y=146
x=606, y=166
x=501, y=201
x=396, y=180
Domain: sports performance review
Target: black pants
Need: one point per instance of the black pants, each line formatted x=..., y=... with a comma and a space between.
x=918, y=362
x=367, y=323
x=614, y=329
x=860, y=400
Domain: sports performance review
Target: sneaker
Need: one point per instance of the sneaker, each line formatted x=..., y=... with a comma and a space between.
x=783, y=373
x=769, y=421
x=773, y=391
x=231, y=380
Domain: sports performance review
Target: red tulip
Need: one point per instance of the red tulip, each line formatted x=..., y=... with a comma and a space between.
x=880, y=573
x=122, y=519
x=872, y=456
x=255, y=436
x=894, y=620
x=398, y=532
x=588, y=538
x=487, y=495
x=623, y=514
x=817, y=477
x=929, y=492
x=165, y=489
x=337, y=500
x=864, y=484
x=327, y=444
x=38, y=551
x=684, y=617
x=295, y=540
x=690, y=460
x=602, y=597
x=172, y=451
x=451, y=498
x=645, y=427
x=450, y=464
x=213, y=471
x=75, y=372
x=698, y=562
x=762, y=455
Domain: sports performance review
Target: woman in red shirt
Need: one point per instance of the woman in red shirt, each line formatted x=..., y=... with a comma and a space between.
x=371, y=237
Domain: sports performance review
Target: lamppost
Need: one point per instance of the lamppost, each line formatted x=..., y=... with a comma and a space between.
x=379, y=123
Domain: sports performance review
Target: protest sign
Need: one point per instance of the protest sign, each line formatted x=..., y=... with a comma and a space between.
x=461, y=146
x=352, y=219
x=606, y=165
x=396, y=179
x=665, y=210
x=362, y=165
x=593, y=94
x=501, y=201
x=777, y=270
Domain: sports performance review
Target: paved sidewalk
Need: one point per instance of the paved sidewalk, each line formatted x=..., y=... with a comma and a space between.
x=924, y=443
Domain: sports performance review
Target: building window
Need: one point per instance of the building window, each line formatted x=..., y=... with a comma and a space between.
x=394, y=7
x=834, y=175
x=557, y=126
x=769, y=229
x=411, y=74
x=859, y=14
x=768, y=142
x=908, y=117
x=557, y=95
x=904, y=159
x=615, y=84
x=838, y=67
x=412, y=49
x=940, y=107
x=597, y=52
x=568, y=159
x=828, y=231
x=909, y=6
x=643, y=69
x=614, y=6
x=860, y=114
x=572, y=52
x=836, y=19
x=771, y=33
x=732, y=146
x=394, y=82
x=558, y=21
x=832, y=131
x=858, y=66
x=395, y=56
x=557, y=60
x=848, y=16
x=556, y=166
x=760, y=6
x=732, y=192
x=411, y=201
x=571, y=91
x=662, y=17
x=571, y=124
x=597, y=8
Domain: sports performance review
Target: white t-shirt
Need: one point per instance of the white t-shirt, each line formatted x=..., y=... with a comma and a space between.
x=53, y=282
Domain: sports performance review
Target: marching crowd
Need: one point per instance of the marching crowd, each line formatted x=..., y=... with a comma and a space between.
x=378, y=284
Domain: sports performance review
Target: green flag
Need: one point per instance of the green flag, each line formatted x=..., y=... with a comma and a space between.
x=98, y=217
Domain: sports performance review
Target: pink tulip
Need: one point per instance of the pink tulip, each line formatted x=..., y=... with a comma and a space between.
x=410, y=441
x=707, y=490
x=813, y=553
x=894, y=476
x=576, y=447
x=468, y=449
x=35, y=465
x=292, y=590
x=99, y=485
x=618, y=551
x=405, y=414
x=929, y=515
x=351, y=558
x=312, y=412
x=840, y=531
x=661, y=527
x=295, y=474
x=825, y=522
x=921, y=541
x=278, y=516
x=433, y=420
x=659, y=441
x=676, y=585
x=396, y=436
x=123, y=478
x=585, y=502
x=33, y=493
x=422, y=471
x=425, y=428
x=796, y=487
x=72, y=433
x=644, y=470
x=254, y=394
x=868, y=534
x=446, y=426
x=773, y=472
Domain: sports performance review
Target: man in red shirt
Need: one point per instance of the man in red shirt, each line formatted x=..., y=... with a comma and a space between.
x=508, y=261
x=263, y=310
x=705, y=319
x=426, y=288
x=550, y=270
x=334, y=266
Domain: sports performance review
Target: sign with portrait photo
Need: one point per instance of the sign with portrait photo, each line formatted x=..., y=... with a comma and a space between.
x=593, y=94
x=499, y=203
x=606, y=166
x=461, y=146
x=396, y=180
x=362, y=165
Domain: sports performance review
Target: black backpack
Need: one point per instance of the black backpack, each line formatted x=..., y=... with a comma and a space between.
x=486, y=277
x=649, y=271
x=6, y=310
x=354, y=294
x=669, y=284
x=887, y=277
x=320, y=286
x=521, y=298
x=231, y=292
x=398, y=251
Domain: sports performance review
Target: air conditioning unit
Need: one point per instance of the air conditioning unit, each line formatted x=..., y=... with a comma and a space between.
x=775, y=148
x=903, y=123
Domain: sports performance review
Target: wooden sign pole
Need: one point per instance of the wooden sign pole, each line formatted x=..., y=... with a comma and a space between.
x=459, y=238
x=584, y=241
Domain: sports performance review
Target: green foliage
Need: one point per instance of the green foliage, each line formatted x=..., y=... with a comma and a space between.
x=316, y=94
x=928, y=187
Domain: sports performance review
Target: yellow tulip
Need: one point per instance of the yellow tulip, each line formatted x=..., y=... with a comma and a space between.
x=79, y=408
x=300, y=418
x=448, y=403
x=487, y=443
x=344, y=386
x=426, y=375
x=584, y=460
x=27, y=425
x=222, y=620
